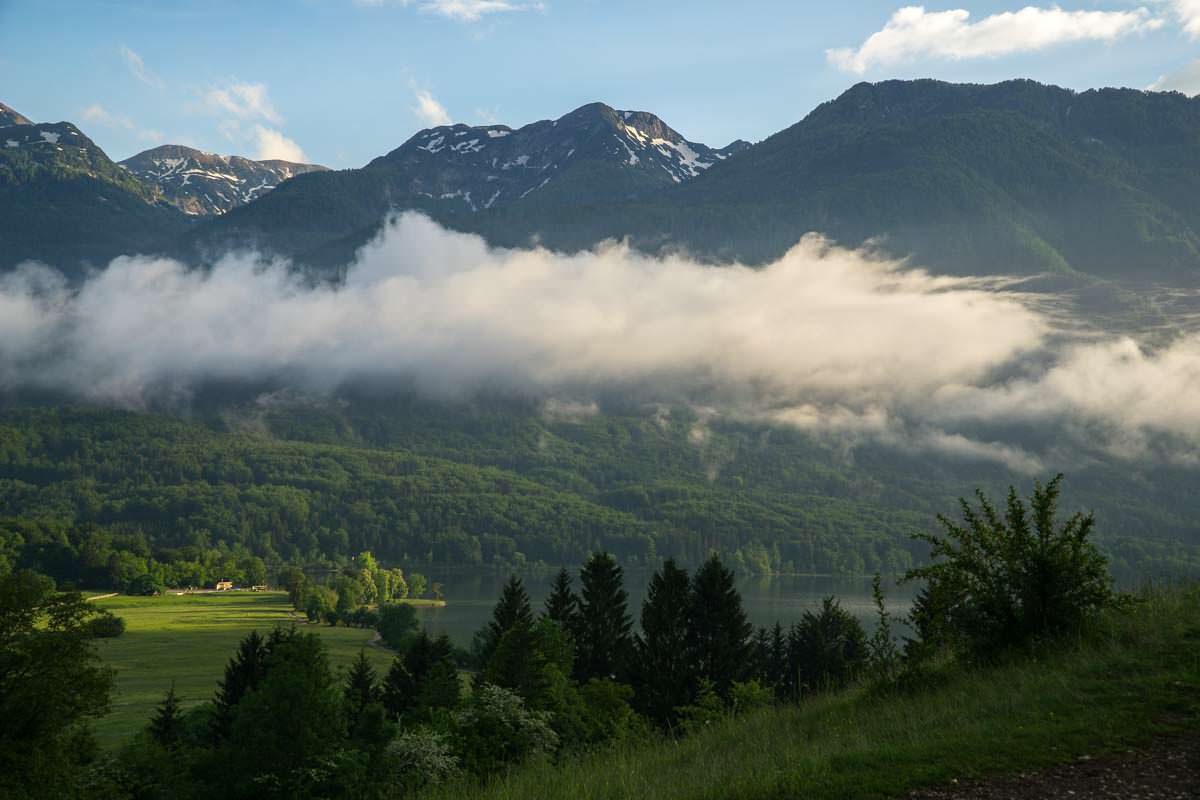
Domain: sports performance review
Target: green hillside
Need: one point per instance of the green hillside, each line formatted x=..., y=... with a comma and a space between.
x=101, y=497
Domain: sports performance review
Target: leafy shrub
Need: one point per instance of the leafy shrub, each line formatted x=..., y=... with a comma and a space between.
x=106, y=625
x=495, y=729
x=997, y=582
x=421, y=757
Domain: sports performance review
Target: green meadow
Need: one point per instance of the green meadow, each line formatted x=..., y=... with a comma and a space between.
x=188, y=639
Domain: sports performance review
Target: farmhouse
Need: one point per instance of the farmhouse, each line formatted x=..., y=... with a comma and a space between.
x=224, y=586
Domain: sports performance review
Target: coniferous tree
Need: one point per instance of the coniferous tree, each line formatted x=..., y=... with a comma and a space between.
x=562, y=605
x=829, y=648
x=360, y=690
x=664, y=677
x=244, y=672
x=399, y=690
x=166, y=726
x=511, y=611
x=718, y=629
x=778, y=659
x=287, y=729
x=603, y=642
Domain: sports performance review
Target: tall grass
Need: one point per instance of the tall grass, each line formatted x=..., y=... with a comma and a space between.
x=1133, y=676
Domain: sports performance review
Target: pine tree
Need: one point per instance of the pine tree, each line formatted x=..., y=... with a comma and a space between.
x=664, y=679
x=511, y=611
x=166, y=726
x=562, y=605
x=602, y=628
x=360, y=690
x=718, y=629
x=244, y=672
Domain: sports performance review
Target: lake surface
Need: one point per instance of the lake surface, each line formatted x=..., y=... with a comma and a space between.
x=470, y=598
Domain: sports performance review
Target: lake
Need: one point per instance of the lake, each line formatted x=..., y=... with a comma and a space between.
x=470, y=597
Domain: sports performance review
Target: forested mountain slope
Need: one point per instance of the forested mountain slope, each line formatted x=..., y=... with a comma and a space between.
x=65, y=203
x=98, y=493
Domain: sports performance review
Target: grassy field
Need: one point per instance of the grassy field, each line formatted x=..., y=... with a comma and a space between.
x=188, y=639
x=1135, y=679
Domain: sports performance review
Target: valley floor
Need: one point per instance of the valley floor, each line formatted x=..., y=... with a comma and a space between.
x=187, y=640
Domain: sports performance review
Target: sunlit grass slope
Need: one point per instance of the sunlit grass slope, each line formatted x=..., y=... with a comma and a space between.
x=1135, y=678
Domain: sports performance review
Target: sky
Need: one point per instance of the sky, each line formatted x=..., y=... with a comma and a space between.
x=339, y=82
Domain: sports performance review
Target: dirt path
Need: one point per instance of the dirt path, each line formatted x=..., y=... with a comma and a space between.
x=1169, y=771
x=93, y=598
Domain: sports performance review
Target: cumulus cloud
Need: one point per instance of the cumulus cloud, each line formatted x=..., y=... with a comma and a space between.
x=429, y=110
x=270, y=143
x=137, y=67
x=1185, y=80
x=833, y=341
x=913, y=33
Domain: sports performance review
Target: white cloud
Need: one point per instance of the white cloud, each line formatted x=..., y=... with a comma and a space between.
x=244, y=101
x=1185, y=80
x=914, y=33
x=138, y=67
x=98, y=115
x=270, y=143
x=828, y=340
x=462, y=10
x=429, y=110
x=1188, y=13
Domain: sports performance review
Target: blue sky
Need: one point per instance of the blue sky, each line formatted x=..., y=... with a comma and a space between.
x=339, y=82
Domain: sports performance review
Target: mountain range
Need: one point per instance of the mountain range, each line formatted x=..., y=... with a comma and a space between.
x=200, y=184
x=1016, y=177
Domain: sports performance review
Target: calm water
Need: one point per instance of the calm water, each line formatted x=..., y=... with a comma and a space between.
x=471, y=596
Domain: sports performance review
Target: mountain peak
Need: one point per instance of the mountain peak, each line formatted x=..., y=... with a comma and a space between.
x=9, y=116
x=200, y=183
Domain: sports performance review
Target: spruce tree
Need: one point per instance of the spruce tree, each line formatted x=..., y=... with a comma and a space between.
x=718, y=629
x=664, y=679
x=244, y=672
x=166, y=726
x=511, y=611
x=399, y=690
x=360, y=690
x=602, y=628
x=562, y=605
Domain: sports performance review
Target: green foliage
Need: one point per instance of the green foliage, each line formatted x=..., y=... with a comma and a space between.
x=883, y=654
x=51, y=682
x=166, y=727
x=562, y=605
x=422, y=757
x=827, y=649
x=602, y=632
x=397, y=625
x=106, y=625
x=286, y=732
x=718, y=630
x=665, y=677
x=244, y=672
x=495, y=730
x=512, y=611
x=1002, y=581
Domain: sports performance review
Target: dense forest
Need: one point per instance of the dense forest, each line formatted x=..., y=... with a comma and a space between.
x=101, y=497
